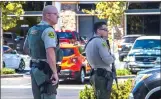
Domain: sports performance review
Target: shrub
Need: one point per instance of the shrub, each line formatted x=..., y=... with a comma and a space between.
x=122, y=72
x=87, y=93
x=123, y=90
x=121, y=93
x=7, y=71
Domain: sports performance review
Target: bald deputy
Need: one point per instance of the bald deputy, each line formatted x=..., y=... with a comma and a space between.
x=100, y=59
x=41, y=44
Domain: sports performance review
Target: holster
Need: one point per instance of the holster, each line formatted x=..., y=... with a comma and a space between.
x=44, y=83
x=105, y=74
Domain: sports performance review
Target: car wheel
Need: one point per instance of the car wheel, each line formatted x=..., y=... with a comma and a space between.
x=21, y=66
x=82, y=75
x=154, y=93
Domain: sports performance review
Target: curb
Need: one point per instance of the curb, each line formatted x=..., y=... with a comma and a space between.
x=126, y=77
x=12, y=75
x=122, y=77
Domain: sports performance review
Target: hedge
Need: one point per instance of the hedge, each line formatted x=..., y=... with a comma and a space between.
x=122, y=93
x=123, y=72
x=7, y=71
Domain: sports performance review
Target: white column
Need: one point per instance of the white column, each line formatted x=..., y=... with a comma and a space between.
x=113, y=50
x=58, y=6
x=1, y=39
x=125, y=24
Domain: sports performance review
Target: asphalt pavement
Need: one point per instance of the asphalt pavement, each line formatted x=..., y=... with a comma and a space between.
x=26, y=93
x=20, y=88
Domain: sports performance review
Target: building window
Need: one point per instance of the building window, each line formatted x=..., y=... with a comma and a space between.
x=143, y=24
x=86, y=6
x=144, y=5
x=35, y=5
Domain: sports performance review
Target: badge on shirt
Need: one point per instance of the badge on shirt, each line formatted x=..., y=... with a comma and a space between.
x=104, y=44
x=51, y=35
x=34, y=32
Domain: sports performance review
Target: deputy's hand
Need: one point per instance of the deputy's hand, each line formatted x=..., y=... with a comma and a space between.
x=54, y=78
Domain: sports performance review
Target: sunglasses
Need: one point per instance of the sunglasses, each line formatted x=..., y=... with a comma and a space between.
x=103, y=29
x=53, y=13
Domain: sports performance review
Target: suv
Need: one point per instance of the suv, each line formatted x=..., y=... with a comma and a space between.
x=69, y=36
x=147, y=85
x=145, y=52
x=12, y=39
x=74, y=64
x=125, y=45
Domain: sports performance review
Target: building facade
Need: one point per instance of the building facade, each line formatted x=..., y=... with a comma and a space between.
x=71, y=16
x=143, y=18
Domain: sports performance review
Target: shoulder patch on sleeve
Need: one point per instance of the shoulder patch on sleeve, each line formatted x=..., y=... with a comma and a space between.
x=51, y=34
x=104, y=44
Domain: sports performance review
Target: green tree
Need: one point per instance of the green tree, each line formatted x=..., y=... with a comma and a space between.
x=112, y=11
x=14, y=8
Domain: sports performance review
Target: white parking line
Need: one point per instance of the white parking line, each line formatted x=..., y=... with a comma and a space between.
x=28, y=87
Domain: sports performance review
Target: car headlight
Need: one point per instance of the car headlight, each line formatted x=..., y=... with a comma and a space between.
x=141, y=77
x=158, y=61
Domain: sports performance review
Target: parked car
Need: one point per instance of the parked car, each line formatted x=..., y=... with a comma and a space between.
x=13, y=60
x=74, y=65
x=125, y=45
x=70, y=36
x=14, y=41
x=20, y=43
x=144, y=53
x=11, y=39
x=147, y=84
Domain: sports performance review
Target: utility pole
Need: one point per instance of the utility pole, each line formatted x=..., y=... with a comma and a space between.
x=1, y=39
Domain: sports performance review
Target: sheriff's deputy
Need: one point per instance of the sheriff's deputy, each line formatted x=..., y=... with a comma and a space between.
x=41, y=45
x=100, y=59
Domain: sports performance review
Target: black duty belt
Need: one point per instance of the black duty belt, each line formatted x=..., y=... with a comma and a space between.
x=102, y=72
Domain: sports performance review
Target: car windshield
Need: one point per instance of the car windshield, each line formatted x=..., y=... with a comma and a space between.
x=7, y=35
x=5, y=48
x=147, y=44
x=67, y=35
x=129, y=39
x=67, y=51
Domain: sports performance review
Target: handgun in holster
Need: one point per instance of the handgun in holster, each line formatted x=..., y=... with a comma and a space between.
x=47, y=85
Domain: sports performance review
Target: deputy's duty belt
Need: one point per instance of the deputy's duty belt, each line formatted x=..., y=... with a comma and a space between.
x=38, y=60
x=101, y=72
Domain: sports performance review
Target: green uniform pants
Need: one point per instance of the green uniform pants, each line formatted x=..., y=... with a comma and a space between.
x=102, y=86
x=36, y=76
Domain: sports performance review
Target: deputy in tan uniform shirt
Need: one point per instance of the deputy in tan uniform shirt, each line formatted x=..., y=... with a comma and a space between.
x=100, y=59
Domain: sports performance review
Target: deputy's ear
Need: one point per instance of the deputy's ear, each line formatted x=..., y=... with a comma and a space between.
x=98, y=31
x=47, y=16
